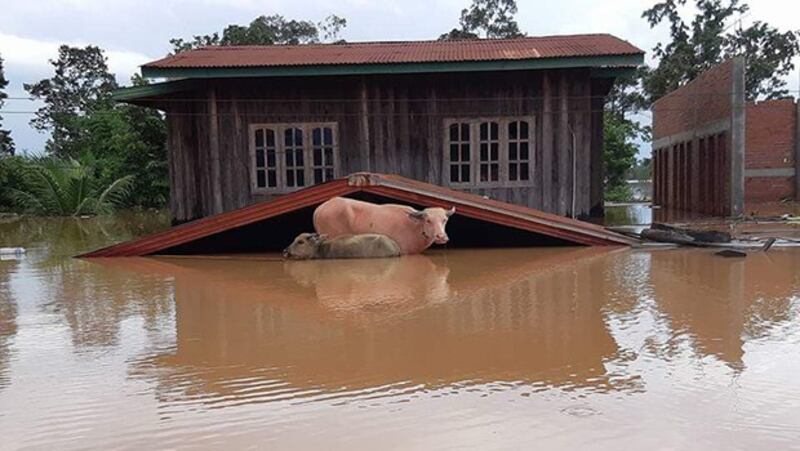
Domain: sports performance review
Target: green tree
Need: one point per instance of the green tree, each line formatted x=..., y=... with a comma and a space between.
x=122, y=140
x=620, y=135
x=115, y=140
x=6, y=143
x=65, y=187
x=80, y=85
x=268, y=30
x=487, y=19
x=619, y=154
x=641, y=170
x=710, y=38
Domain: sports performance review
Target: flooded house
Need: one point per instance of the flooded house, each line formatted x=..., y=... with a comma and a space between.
x=517, y=122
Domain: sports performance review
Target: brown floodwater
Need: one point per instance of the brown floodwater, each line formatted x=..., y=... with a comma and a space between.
x=455, y=349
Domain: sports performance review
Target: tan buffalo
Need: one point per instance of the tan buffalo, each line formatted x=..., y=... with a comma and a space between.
x=413, y=230
x=309, y=246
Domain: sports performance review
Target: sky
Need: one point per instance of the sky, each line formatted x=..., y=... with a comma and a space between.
x=134, y=32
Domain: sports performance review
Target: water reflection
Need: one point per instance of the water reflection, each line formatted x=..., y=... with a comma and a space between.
x=229, y=352
x=91, y=300
x=8, y=320
x=719, y=304
x=94, y=303
x=373, y=290
x=628, y=215
x=417, y=323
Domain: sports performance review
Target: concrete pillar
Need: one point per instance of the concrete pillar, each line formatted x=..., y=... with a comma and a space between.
x=737, y=141
x=797, y=150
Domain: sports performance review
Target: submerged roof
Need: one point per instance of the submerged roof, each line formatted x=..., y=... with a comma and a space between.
x=401, y=52
x=392, y=187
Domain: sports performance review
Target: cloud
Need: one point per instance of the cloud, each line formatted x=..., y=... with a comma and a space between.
x=28, y=55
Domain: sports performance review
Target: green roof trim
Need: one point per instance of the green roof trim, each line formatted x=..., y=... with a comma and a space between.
x=152, y=90
x=613, y=61
x=612, y=72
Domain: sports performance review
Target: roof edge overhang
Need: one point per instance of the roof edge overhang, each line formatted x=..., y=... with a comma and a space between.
x=595, y=62
x=152, y=90
x=391, y=186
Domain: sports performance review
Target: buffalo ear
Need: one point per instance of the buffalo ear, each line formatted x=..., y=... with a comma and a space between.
x=416, y=215
x=451, y=211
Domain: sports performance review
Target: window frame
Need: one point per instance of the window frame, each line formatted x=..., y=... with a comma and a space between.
x=280, y=155
x=474, y=133
x=446, y=147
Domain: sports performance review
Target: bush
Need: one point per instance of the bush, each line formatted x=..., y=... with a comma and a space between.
x=60, y=187
x=10, y=171
x=618, y=193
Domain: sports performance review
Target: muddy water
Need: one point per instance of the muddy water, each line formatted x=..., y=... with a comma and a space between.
x=485, y=349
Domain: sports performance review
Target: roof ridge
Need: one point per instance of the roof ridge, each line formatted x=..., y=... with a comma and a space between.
x=597, y=45
x=402, y=42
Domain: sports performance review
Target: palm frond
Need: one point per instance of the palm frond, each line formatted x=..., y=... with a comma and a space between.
x=53, y=186
x=78, y=189
x=26, y=202
x=114, y=194
x=49, y=182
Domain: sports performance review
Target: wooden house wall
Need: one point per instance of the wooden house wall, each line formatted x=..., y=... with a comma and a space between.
x=389, y=124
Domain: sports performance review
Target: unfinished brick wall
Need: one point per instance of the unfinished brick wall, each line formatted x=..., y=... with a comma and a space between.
x=702, y=161
x=770, y=150
x=690, y=144
x=768, y=189
x=702, y=101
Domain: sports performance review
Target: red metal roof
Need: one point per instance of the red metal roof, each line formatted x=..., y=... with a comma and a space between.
x=400, y=52
x=391, y=186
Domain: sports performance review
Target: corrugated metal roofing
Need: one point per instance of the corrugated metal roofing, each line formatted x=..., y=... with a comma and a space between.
x=390, y=186
x=526, y=48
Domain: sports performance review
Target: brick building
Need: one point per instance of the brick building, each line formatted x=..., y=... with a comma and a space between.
x=713, y=151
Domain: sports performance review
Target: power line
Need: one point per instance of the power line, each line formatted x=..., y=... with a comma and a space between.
x=507, y=112
x=405, y=99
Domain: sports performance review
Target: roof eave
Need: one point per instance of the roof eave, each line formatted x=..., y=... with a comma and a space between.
x=152, y=90
x=603, y=61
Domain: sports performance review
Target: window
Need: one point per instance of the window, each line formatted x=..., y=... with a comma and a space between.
x=489, y=152
x=287, y=157
x=519, y=155
x=489, y=157
x=460, y=153
x=266, y=162
x=322, y=153
x=293, y=150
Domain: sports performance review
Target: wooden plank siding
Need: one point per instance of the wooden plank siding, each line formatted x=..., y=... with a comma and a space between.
x=391, y=124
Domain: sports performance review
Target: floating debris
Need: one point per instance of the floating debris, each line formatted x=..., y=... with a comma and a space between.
x=11, y=253
x=768, y=244
x=731, y=253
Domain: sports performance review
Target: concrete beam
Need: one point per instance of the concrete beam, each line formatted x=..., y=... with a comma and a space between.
x=770, y=172
x=713, y=128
